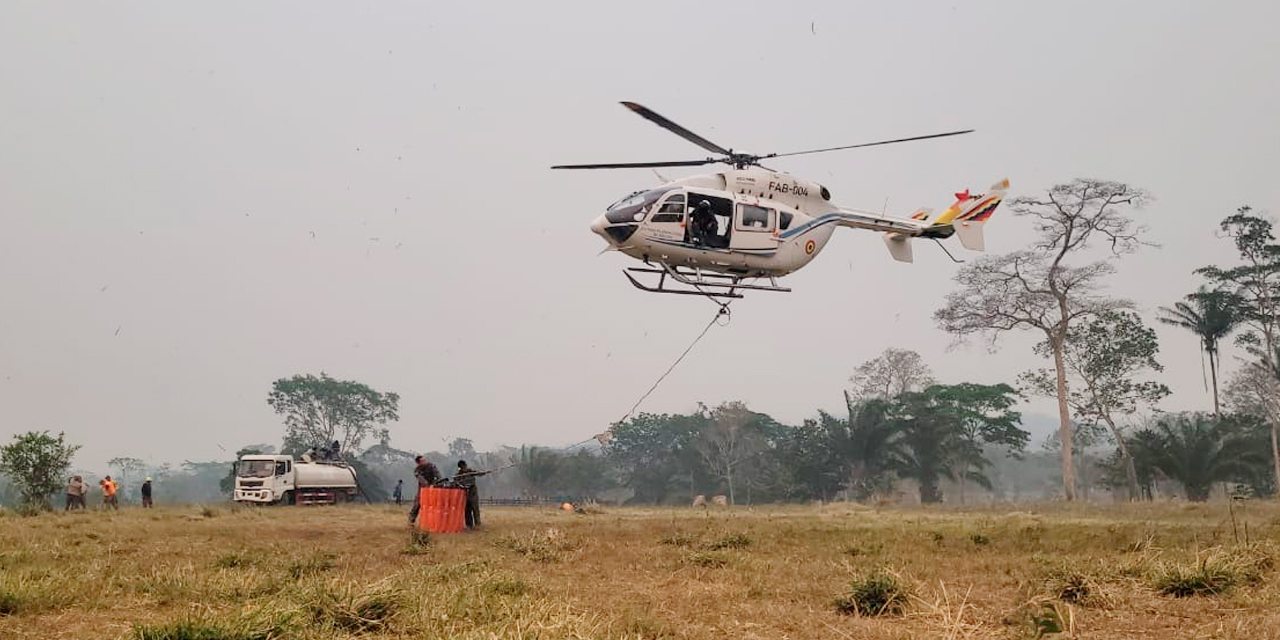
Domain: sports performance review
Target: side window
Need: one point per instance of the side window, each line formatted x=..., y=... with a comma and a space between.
x=672, y=210
x=280, y=468
x=784, y=221
x=753, y=218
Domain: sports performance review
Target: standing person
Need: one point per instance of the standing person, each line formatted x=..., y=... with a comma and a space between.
x=75, y=493
x=467, y=478
x=146, y=493
x=109, y=493
x=82, y=499
x=427, y=475
x=398, y=493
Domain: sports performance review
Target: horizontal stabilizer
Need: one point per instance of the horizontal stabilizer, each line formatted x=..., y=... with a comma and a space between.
x=899, y=247
x=970, y=234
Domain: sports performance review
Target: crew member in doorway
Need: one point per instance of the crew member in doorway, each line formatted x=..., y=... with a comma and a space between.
x=703, y=223
x=146, y=493
x=467, y=478
x=427, y=475
x=398, y=493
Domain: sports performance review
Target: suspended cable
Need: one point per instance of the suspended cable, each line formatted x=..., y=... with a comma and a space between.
x=722, y=312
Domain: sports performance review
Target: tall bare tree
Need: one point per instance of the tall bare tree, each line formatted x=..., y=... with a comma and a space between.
x=728, y=439
x=1038, y=289
x=1104, y=359
x=889, y=375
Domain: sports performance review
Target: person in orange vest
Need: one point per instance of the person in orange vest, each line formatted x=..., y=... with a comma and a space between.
x=109, y=493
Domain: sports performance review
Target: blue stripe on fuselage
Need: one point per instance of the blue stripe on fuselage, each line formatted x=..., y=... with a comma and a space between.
x=810, y=225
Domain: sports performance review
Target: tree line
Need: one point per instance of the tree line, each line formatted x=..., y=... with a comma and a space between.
x=898, y=423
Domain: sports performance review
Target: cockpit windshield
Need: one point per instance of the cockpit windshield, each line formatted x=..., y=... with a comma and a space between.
x=633, y=208
x=633, y=199
x=257, y=469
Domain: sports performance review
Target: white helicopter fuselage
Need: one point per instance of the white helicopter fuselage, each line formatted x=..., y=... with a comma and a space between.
x=769, y=224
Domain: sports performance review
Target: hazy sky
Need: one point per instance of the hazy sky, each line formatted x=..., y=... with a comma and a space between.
x=199, y=198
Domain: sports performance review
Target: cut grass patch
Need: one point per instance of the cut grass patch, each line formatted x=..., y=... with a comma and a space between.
x=235, y=561
x=731, y=541
x=706, y=559
x=506, y=587
x=679, y=540
x=542, y=546
x=309, y=566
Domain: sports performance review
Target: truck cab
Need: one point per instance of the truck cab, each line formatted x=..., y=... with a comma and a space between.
x=264, y=478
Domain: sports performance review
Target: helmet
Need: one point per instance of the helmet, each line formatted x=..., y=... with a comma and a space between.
x=148, y=478
x=704, y=203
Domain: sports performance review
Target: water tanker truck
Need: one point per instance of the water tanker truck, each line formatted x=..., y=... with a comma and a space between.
x=279, y=479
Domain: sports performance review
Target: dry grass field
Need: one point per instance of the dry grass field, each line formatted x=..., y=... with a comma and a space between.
x=1144, y=571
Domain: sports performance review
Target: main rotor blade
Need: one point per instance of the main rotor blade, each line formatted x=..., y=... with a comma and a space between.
x=652, y=116
x=639, y=165
x=868, y=144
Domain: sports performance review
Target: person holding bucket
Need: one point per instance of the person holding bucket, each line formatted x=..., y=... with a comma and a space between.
x=427, y=475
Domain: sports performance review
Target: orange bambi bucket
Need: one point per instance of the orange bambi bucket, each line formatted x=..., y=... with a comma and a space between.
x=442, y=510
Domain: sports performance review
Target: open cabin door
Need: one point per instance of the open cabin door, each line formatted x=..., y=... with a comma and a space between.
x=723, y=209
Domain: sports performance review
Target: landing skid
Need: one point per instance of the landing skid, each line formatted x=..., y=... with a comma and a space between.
x=711, y=285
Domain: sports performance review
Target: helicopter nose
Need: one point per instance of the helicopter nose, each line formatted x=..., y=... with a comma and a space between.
x=597, y=227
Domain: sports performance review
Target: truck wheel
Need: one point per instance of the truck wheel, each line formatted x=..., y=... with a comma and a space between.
x=287, y=498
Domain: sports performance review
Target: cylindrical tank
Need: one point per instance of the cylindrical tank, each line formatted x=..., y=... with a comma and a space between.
x=441, y=509
x=310, y=474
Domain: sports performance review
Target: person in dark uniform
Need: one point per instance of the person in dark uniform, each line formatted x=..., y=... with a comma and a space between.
x=467, y=478
x=146, y=493
x=703, y=223
x=398, y=494
x=427, y=475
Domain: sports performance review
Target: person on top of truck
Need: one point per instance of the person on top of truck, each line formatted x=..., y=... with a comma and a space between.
x=427, y=475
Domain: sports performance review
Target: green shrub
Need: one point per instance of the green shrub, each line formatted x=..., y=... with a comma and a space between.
x=876, y=594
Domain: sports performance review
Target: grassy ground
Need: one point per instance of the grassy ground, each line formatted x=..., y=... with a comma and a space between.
x=1144, y=571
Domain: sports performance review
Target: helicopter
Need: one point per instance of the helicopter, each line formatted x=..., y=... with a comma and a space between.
x=719, y=234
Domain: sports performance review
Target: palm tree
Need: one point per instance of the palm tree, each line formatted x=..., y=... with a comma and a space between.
x=538, y=466
x=1198, y=451
x=868, y=441
x=1212, y=316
